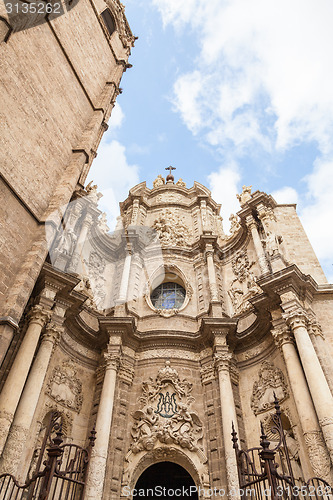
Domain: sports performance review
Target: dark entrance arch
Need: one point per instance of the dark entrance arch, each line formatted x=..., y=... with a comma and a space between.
x=168, y=478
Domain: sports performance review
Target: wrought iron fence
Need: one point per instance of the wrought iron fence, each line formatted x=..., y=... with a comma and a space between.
x=63, y=476
x=267, y=474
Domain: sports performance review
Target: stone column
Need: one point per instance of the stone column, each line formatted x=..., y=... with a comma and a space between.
x=98, y=461
x=14, y=384
x=211, y=273
x=124, y=278
x=317, y=451
x=19, y=431
x=228, y=410
x=252, y=225
x=319, y=389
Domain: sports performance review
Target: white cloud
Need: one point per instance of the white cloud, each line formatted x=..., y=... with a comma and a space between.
x=317, y=215
x=224, y=186
x=112, y=171
x=250, y=52
x=287, y=195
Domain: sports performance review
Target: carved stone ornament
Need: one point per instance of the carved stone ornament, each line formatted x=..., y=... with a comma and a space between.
x=172, y=229
x=165, y=416
x=64, y=387
x=244, y=285
x=159, y=181
x=234, y=225
x=318, y=454
x=271, y=380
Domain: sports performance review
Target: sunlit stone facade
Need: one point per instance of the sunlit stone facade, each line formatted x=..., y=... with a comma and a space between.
x=237, y=317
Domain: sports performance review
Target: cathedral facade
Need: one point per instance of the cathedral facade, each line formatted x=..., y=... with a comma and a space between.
x=167, y=334
x=159, y=347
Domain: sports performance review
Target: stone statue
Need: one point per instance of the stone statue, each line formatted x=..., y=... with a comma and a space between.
x=181, y=183
x=67, y=242
x=245, y=196
x=91, y=191
x=103, y=224
x=159, y=181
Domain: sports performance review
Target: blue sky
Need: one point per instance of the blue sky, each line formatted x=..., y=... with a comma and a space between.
x=230, y=93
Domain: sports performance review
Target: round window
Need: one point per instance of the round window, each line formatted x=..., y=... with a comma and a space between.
x=168, y=296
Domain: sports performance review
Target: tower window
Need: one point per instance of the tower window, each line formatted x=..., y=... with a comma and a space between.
x=168, y=296
x=108, y=21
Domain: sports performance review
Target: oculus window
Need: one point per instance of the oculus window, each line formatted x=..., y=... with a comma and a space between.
x=168, y=296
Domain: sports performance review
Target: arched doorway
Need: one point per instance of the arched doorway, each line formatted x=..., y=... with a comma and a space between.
x=165, y=480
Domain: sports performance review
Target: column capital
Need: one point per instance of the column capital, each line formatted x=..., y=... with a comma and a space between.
x=250, y=222
x=52, y=333
x=38, y=315
x=112, y=359
x=265, y=213
x=222, y=360
x=282, y=335
x=314, y=327
x=296, y=319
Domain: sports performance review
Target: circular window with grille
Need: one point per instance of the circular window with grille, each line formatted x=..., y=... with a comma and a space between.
x=168, y=296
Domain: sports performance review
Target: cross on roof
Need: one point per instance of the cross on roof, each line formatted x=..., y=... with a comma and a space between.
x=170, y=168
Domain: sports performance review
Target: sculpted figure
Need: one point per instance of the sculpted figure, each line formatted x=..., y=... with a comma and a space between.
x=159, y=181
x=245, y=196
x=67, y=242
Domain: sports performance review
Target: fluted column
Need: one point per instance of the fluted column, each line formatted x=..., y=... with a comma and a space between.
x=317, y=451
x=98, y=461
x=211, y=273
x=19, y=431
x=228, y=410
x=14, y=384
x=319, y=389
x=252, y=225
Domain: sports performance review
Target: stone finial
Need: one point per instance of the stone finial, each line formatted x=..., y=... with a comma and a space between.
x=245, y=195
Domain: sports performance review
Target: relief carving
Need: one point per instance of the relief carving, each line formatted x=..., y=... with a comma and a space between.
x=318, y=454
x=271, y=380
x=64, y=387
x=244, y=285
x=96, y=266
x=171, y=229
x=166, y=416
